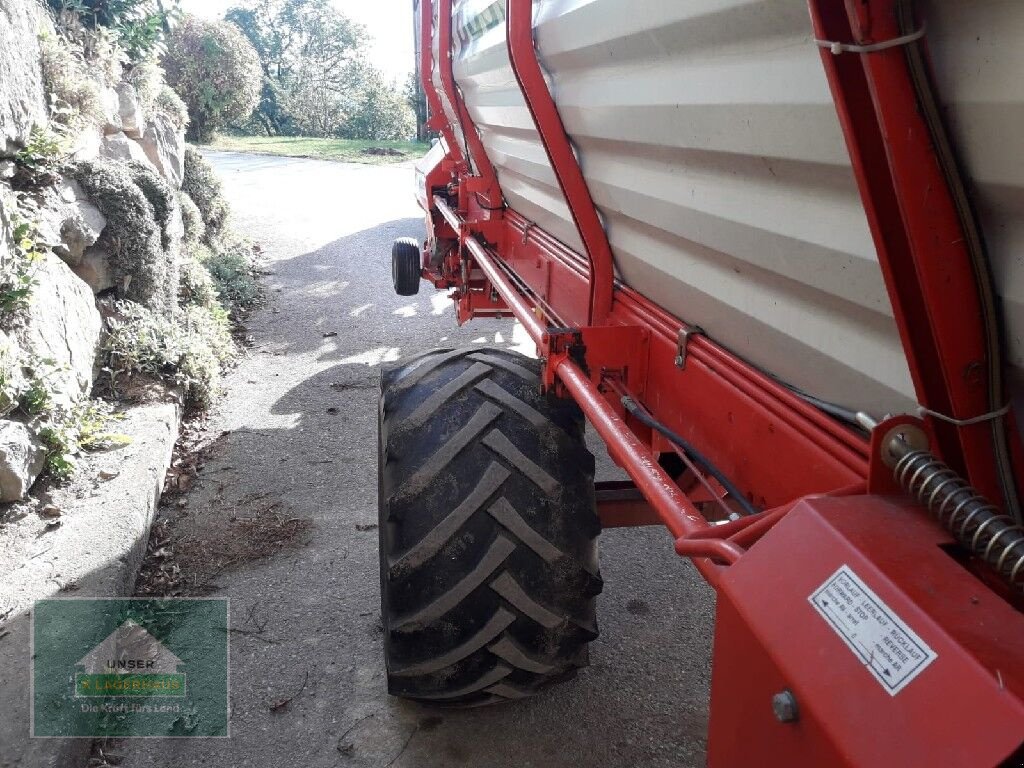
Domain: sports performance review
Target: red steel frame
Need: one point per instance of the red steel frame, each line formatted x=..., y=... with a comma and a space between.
x=601, y=341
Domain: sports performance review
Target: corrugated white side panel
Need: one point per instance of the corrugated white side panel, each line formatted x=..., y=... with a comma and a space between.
x=979, y=66
x=484, y=74
x=711, y=145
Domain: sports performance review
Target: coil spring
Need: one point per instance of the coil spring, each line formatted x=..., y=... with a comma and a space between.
x=979, y=526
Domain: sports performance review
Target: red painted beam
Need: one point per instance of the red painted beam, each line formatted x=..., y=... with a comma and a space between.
x=488, y=191
x=438, y=120
x=523, y=56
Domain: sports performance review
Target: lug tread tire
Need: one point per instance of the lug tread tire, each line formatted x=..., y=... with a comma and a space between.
x=488, y=530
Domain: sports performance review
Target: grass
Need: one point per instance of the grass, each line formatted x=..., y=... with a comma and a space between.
x=340, y=150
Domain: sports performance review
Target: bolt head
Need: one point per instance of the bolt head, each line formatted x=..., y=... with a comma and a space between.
x=785, y=707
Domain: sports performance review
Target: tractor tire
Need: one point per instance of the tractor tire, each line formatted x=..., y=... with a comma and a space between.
x=405, y=266
x=488, y=530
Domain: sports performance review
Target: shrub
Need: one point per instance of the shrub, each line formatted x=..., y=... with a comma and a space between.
x=234, y=273
x=164, y=201
x=144, y=272
x=155, y=95
x=169, y=103
x=186, y=353
x=159, y=195
x=378, y=111
x=74, y=96
x=216, y=71
x=197, y=286
x=201, y=184
x=192, y=218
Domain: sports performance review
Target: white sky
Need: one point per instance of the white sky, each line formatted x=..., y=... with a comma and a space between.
x=389, y=23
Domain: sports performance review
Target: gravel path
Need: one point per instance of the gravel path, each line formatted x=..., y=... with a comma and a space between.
x=282, y=518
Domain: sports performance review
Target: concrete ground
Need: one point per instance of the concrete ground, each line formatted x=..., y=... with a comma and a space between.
x=295, y=453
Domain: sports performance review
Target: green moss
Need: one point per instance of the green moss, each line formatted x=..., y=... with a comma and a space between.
x=144, y=271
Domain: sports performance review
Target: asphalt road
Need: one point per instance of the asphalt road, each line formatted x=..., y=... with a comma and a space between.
x=299, y=449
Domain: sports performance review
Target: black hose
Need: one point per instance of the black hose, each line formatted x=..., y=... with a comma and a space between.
x=698, y=458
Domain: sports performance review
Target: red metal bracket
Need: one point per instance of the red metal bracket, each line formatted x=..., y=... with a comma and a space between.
x=616, y=352
x=523, y=56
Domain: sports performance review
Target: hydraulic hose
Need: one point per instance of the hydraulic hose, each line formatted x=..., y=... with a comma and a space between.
x=641, y=415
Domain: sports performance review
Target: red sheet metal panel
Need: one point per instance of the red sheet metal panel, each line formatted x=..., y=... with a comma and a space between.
x=961, y=707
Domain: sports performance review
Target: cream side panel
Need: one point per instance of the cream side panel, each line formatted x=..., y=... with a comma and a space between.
x=711, y=145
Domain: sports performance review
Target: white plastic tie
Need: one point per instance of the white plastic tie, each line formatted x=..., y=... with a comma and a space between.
x=836, y=48
x=965, y=422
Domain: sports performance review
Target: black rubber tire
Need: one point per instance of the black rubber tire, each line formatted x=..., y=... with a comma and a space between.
x=488, y=530
x=405, y=266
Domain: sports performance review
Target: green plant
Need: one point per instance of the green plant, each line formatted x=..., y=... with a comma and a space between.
x=235, y=275
x=37, y=164
x=93, y=418
x=73, y=94
x=187, y=352
x=215, y=70
x=83, y=429
x=17, y=274
x=141, y=25
x=204, y=188
x=60, y=452
x=38, y=396
x=13, y=383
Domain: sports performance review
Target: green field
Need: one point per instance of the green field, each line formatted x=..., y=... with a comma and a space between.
x=340, y=150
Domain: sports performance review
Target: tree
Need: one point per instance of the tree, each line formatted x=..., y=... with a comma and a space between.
x=306, y=50
x=215, y=70
x=378, y=111
x=417, y=101
x=317, y=81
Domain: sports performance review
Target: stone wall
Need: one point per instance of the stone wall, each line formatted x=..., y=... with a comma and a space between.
x=62, y=322
x=21, y=84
